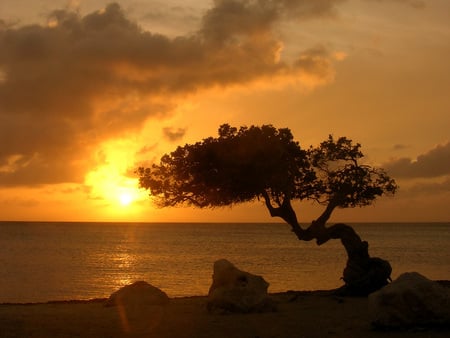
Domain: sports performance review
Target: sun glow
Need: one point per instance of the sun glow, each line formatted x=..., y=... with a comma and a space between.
x=127, y=197
x=112, y=186
x=116, y=190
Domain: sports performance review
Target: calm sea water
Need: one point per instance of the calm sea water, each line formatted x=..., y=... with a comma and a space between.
x=61, y=261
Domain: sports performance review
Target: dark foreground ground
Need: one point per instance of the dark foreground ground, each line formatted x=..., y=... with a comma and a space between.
x=300, y=314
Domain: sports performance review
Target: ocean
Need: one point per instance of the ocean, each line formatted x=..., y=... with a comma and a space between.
x=43, y=261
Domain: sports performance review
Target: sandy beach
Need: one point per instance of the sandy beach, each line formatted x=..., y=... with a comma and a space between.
x=299, y=314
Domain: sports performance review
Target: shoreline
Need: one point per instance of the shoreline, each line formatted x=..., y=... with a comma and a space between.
x=331, y=292
x=306, y=314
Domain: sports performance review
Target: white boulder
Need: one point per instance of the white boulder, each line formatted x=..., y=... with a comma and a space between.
x=410, y=300
x=233, y=290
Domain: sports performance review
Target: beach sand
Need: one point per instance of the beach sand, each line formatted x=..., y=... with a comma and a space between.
x=299, y=314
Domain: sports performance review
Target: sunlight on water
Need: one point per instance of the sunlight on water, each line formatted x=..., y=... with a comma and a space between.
x=56, y=261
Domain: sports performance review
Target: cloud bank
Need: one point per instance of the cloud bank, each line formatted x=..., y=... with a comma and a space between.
x=434, y=163
x=79, y=80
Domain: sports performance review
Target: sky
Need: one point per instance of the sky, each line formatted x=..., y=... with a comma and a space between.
x=90, y=90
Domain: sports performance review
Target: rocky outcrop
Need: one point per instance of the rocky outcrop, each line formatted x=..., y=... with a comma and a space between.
x=233, y=290
x=411, y=300
x=137, y=294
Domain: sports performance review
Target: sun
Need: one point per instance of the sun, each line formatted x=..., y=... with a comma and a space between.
x=125, y=198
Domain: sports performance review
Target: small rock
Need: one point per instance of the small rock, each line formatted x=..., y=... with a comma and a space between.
x=137, y=294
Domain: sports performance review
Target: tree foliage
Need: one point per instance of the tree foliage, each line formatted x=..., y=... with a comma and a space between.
x=342, y=180
x=241, y=165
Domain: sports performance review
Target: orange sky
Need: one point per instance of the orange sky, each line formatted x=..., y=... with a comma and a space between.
x=90, y=90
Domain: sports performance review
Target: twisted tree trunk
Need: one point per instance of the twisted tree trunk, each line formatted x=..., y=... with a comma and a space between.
x=363, y=274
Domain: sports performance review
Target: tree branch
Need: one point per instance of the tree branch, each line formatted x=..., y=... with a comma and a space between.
x=317, y=229
x=285, y=212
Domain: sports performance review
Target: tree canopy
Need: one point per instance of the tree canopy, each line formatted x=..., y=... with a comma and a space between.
x=249, y=163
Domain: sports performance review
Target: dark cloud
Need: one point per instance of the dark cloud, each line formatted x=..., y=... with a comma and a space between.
x=434, y=163
x=63, y=91
x=174, y=134
x=80, y=80
x=229, y=19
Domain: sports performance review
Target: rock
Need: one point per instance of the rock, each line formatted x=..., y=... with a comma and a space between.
x=137, y=294
x=233, y=290
x=411, y=300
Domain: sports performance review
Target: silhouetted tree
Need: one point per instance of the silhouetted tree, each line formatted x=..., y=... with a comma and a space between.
x=265, y=163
